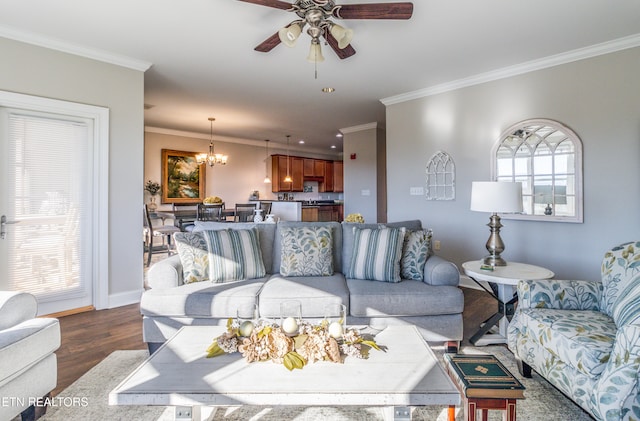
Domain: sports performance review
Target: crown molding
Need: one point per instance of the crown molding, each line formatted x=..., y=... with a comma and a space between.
x=237, y=140
x=70, y=48
x=359, y=128
x=518, y=69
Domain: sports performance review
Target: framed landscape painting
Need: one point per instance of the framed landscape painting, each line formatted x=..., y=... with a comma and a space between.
x=182, y=178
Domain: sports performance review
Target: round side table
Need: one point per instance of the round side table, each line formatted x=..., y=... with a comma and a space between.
x=505, y=279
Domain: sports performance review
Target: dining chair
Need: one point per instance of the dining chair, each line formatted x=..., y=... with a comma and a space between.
x=266, y=208
x=244, y=212
x=210, y=212
x=185, y=214
x=164, y=232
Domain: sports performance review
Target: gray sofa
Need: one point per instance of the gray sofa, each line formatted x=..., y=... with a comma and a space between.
x=434, y=305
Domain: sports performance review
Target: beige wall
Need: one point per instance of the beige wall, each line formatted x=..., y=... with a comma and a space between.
x=599, y=98
x=233, y=182
x=43, y=72
x=361, y=175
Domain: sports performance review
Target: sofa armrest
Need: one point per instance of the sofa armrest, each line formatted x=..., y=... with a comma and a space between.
x=560, y=294
x=166, y=273
x=616, y=392
x=16, y=307
x=438, y=271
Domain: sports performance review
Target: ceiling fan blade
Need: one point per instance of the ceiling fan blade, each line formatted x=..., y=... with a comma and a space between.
x=269, y=44
x=346, y=52
x=270, y=3
x=374, y=11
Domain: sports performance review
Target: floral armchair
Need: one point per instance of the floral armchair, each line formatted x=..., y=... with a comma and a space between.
x=584, y=336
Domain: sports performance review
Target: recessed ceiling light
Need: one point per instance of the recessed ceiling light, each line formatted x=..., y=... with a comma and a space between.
x=328, y=90
x=333, y=146
x=339, y=135
x=301, y=141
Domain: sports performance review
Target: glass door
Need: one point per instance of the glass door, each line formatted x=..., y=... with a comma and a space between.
x=45, y=206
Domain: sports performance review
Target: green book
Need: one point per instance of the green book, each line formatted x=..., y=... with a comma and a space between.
x=483, y=376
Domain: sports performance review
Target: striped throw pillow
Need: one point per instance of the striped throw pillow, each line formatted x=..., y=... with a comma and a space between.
x=376, y=254
x=234, y=255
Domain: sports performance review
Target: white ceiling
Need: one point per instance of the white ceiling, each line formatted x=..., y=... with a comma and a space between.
x=203, y=63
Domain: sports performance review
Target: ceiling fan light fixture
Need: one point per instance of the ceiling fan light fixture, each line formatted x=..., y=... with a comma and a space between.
x=342, y=35
x=315, y=52
x=289, y=34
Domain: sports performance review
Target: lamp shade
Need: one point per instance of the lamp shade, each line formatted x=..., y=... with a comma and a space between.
x=342, y=35
x=496, y=197
x=289, y=34
x=315, y=53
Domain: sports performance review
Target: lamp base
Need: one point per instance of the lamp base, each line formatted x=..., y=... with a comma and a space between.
x=494, y=261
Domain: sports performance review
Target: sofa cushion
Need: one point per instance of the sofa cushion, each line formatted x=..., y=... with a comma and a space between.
x=407, y=298
x=266, y=235
x=306, y=251
x=582, y=339
x=348, y=237
x=201, y=299
x=234, y=255
x=336, y=232
x=376, y=254
x=194, y=257
x=314, y=292
x=415, y=251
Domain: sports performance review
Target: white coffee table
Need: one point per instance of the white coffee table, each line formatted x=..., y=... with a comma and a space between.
x=506, y=279
x=178, y=374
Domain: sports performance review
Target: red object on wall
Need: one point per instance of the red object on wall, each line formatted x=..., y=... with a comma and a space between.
x=353, y=156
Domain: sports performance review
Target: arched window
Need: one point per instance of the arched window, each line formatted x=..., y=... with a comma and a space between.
x=546, y=157
x=441, y=177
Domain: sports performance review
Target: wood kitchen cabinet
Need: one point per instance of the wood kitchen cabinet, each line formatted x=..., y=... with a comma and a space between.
x=327, y=178
x=279, y=172
x=307, y=167
x=328, y=174
x=338, y=176
x=310, y=214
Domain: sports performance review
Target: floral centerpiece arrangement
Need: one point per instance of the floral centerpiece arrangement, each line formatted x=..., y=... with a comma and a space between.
x=354, y=217
x=310, y=343
x=153, y=187
x=212, y=200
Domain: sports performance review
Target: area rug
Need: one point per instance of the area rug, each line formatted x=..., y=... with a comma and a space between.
x=86, y=399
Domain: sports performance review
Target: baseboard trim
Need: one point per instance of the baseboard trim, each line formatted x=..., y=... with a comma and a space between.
x=69, y=312
x=125, y=298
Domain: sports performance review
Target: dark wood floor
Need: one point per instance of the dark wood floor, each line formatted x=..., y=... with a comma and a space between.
x=87, y=338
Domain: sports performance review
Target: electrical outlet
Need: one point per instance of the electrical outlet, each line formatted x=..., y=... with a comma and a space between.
x=436, y=245
x=416, y=191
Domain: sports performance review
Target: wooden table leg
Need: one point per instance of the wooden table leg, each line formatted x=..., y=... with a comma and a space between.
x=470, y=410
x=510, y=410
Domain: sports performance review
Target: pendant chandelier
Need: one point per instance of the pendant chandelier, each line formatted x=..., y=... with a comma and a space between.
x=211, y=158
x=267, y=180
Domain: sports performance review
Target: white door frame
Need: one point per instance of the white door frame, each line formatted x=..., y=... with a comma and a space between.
x=100, y=205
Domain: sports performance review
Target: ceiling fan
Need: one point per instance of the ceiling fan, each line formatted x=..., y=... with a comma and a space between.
x=317, y=15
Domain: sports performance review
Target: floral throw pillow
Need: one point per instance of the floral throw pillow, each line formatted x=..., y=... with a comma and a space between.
x=376, y=254
x=307, y=251
x=234, y=255
x=415, y=251
x=194, y=256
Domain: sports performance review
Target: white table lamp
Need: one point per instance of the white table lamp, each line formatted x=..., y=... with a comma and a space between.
x=496, y=197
